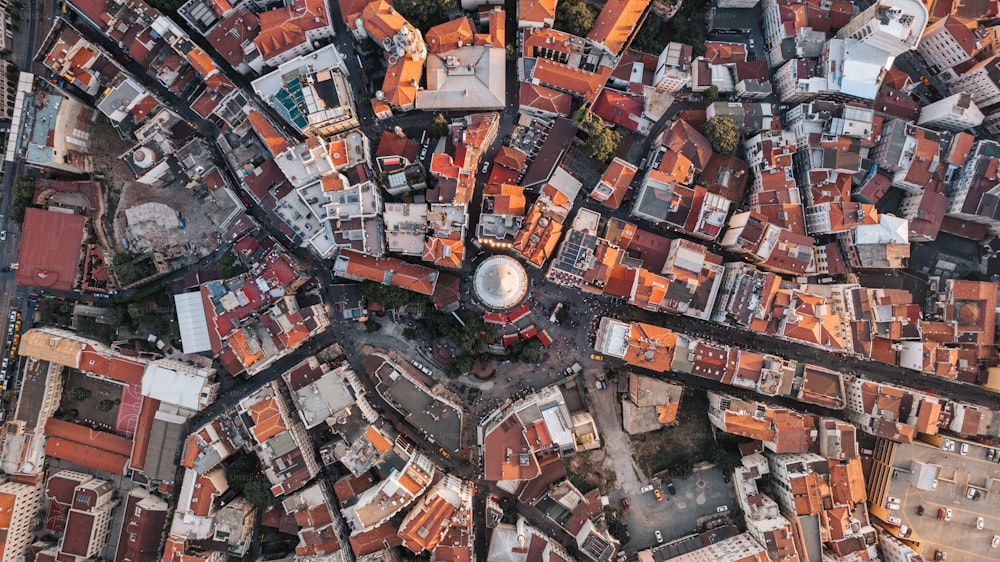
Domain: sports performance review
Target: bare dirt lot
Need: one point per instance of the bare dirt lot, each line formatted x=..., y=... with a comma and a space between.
x=655, y=451
x=144, y=235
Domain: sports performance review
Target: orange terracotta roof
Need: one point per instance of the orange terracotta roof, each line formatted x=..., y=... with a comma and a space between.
x=267, y=420
x=191, y=450
x=539, y=11
x=616, y=22
x=405, y=275
x=536, y=96
x=333, y=182
x=203, y=495
x=201, y=62
x=586, y=84
x=275, y=142
x=445, y=252
x=401, y=81
x=423, y=527
x=237, y=342
x=350, y=10
x=449, y=35
x=375, y=437
x=382, y=21
x=88, y=457
x=285, y=28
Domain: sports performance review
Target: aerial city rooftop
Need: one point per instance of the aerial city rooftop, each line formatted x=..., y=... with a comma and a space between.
x=528, y=281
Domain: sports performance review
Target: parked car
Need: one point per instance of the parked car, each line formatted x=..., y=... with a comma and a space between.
x=891, y=499
x=940, y=514
x=625, y=503
x=990, y=454
x=645, y=489
x=947, y=514
x=980, y=522
x=893, y=520
x=996, y=541
x=722, y=509
x=659, y=537
x=964, y=449
x=971, y=494
x=670, y=488
x=948, y=445
x=920, y=510
x=597, y=357
x=659, y=496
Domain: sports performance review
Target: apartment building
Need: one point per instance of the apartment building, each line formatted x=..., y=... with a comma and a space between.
x=949, y=42
x=673, y=68
x=894, y=26
x=957, y=112
x=19, y=503
x=982, y=82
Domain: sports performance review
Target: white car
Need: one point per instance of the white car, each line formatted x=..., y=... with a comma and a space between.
x=722, y=509
x=934, y=485
x=892, y=506
x=891, y=499
x=980, y=523
x=948, y=445
x=965, y=449
x=645, y=489
x=659, y=537
x=947, y=514
x=971, y=494
x=996, y=541
x=894, y=520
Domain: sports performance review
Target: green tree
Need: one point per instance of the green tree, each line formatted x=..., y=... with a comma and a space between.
x=424, y=14
x=602, y=144
x=723, y=133
x=575, y=17
x=372, y=326
x=438, y=126
x=511, y=51
x=105, y=405
x=562, y=314
x=79, y=394
x=712, y=94
x=258, y=492
x=230, y=266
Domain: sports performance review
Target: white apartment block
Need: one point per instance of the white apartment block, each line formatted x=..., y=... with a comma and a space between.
x=736, y=549
x=975, y=184
x=673, y=68
x=981, y=82
x=19, y=504
x=957, y=112
x=894, y=26
x=798, y=81
x=949, y=43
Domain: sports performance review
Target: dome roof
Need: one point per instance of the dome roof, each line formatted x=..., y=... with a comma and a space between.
x=500, y=282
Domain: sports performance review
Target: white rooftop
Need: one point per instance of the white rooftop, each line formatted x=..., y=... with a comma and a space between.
x=500, y=282
x=192, y=323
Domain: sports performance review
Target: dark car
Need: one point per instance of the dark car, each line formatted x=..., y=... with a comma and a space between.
x=920, y=510
x=625, y=503
x=671, y=489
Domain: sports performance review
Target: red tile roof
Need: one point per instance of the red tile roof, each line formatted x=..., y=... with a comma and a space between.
x=616, y=23
x=449, y=35
x=619, y=108
x=544, y=99
x=285, y=28
x=50, y=249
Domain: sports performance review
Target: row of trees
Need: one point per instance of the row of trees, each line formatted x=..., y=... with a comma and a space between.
x=130, y=267
x=24, y=195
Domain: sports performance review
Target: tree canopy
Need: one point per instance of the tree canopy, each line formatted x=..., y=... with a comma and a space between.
x=575, y=17
x=439, y=126
x=390, y=296
x=425, y=14
x=602, y=141
x=723, y=133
